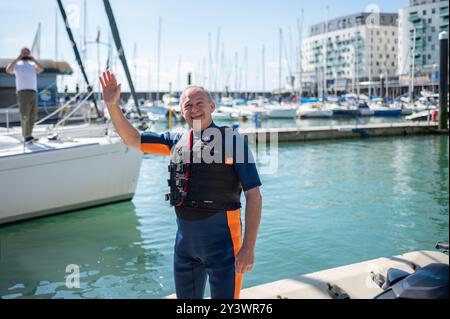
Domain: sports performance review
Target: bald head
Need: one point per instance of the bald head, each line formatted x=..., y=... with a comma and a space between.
x=194, y=91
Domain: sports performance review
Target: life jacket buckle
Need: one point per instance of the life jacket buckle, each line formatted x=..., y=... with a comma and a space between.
x=181, y=182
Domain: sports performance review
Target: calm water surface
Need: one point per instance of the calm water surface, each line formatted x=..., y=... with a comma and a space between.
x=330, y=204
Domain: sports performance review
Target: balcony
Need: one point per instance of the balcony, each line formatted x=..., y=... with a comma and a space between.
x=418, y=37
x=444, y=22
x=419, y=44
x=443, y=12
x=414, y=18
x=420, y=26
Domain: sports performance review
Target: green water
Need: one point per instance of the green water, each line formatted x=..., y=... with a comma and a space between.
x=330, y=204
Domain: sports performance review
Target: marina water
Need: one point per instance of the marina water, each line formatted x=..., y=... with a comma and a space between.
x=331, y=203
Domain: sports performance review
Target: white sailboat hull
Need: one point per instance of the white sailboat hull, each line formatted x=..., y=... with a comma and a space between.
x=280, y=112
x=48, y=179
x=314, y=113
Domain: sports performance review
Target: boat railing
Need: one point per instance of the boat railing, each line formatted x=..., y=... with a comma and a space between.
x=59, y=109
x=68, y=115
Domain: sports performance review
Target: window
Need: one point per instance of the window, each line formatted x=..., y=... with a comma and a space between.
x=433, y=29
x=424, y=12
x=430, y=20
x=433, y=11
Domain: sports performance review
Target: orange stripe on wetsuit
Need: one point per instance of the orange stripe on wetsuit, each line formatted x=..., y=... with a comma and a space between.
x=234, y=224
x=154, y=144
x=155, y=148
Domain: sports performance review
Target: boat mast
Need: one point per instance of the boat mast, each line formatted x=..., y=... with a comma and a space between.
x=99, y=72
x=263, y=67
x=370, y=62
x=300, y=40
x=209, y=62
x=77, y=54
x=110, y=53
x=223, y=69
x=203, y=71
x=135, y=62
x=358, y=38
x=178, y=83
x=121, y=52
x=386, y=70
x=246, y=72
x=84, y=48
x=158, y=59
x=236, y=74
x=56, y=34
x=217, y=69
x=279, y=59
x=325, y=48
x=413, y=62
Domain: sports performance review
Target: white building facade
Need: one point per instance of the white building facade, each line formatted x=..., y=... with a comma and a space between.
x=361, y=53
x=419, y=28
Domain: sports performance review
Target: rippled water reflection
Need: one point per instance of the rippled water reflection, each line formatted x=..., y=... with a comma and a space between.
x=330, y=204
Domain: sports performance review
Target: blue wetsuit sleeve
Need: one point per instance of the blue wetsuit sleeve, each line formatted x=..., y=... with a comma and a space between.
x=244, y=164
x=159, y=144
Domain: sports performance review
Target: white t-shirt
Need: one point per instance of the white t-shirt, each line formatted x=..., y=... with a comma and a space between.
x=26, y=75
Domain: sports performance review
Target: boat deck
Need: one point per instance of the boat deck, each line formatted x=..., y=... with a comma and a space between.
x=13, y=146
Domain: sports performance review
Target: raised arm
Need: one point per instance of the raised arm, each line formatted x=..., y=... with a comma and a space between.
x=10, y=67
x=39, y=67
x=111, y=96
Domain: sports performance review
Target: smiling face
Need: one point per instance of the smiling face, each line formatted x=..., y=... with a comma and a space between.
x=197, y=107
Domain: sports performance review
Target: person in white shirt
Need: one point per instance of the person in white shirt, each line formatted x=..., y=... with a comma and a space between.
x=26, y=68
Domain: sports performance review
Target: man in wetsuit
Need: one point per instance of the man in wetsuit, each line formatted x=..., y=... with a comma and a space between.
x=209, y=168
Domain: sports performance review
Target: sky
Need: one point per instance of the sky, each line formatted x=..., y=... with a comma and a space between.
x=186, y=27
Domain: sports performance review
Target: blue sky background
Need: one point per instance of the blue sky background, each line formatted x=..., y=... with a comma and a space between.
x=185, y=28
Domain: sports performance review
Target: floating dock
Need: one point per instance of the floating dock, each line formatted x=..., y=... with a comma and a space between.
x=317, y=133
x=358, y=280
